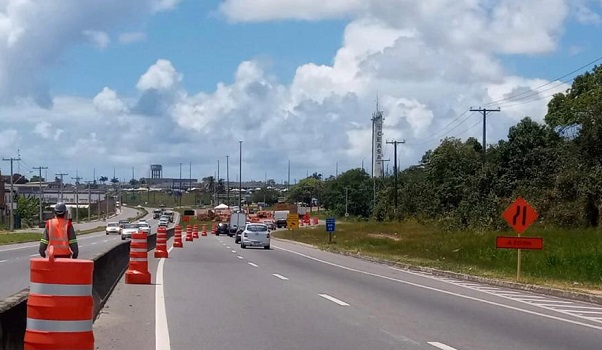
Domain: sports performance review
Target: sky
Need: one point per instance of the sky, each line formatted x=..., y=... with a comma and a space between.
x=97, y=87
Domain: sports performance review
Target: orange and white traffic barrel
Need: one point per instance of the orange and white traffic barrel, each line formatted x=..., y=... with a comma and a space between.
x=195, y=231
x=177, y=241
x=204, y=232
x=60, y=307
x=214, y=228
x=161, y=246
x=137, y=272
x=188, y=233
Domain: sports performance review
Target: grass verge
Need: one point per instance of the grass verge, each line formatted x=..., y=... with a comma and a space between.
x=570, y=258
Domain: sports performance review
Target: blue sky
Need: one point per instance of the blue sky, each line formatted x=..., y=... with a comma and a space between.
x=297, y=78
x=203, y=45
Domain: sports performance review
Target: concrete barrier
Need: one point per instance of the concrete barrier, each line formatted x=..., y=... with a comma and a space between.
x=109, y=266
x=13, y=316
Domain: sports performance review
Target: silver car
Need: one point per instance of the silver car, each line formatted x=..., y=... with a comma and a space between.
x=127, y=230
x=112, y=227
x=255, y=235
x=144, y=227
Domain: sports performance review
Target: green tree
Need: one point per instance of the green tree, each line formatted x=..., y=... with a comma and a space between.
x=353, y=189
x=27, y=209
x=37, y=178
x=269, y=196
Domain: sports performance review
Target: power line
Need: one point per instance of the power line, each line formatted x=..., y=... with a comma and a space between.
x=512, y=97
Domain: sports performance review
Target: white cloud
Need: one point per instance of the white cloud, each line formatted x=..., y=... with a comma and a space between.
x=107, y=102
x=261, y=10
x=131, y=37
x=160, y=76
x=35, y=34
x=428, y=61
x=8, y=140
x=98, y=38
x=46, y=130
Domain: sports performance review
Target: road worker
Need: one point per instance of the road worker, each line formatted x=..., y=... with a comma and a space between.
x=60, y=234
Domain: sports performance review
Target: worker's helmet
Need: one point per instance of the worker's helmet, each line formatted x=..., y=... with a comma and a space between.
x=60, y=208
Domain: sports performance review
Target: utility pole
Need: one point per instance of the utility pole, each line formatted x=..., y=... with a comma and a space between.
x=40, y=168
x=336, y=170
x=383, y=164
x=62, y=186
x=485, y=111
x=76, y=178
x=395, y=143
x=12, y=194
x=89, y=183
x=240, y=175
x=217, y=201
x=288, y=181
x=180, y=186
x=189, y=175
x=228, y=178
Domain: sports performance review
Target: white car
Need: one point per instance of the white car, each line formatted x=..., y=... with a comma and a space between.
x=127, y=230
x=112, y=227
x=163, y=222
x=144, y=227
x=255, y=235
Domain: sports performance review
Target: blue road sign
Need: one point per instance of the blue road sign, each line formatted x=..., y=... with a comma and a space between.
x=330, y=225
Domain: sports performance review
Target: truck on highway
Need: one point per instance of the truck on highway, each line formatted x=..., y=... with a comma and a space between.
x=280, y=217
x=238, y=219
x=157, y=213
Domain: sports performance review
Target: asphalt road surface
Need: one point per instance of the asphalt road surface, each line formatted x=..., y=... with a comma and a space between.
x=214, y=295
x=14, y=258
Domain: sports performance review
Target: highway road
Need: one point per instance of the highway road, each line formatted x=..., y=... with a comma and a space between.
x=14, y=258
x=214, y=295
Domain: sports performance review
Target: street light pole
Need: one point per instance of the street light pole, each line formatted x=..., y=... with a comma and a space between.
x=40, y=183
x=240, y=175
x=228, y=179
x=180, y=186
x=76, y=178
x=12, y=195
x=346, y=201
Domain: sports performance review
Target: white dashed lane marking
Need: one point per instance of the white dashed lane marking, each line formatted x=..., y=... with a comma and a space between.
x=333, y=299
x=441, y=346
x=254, y=265
x=280, y=276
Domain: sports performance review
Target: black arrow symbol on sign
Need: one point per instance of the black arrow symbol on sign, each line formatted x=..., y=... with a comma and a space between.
x=517, y=215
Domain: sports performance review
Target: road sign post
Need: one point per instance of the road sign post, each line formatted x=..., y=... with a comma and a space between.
x=519, y=215
x=330, y=226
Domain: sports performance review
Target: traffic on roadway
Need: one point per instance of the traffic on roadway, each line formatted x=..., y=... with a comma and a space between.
x=211, y=294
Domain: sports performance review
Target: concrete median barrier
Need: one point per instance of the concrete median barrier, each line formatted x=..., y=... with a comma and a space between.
x=13, y=318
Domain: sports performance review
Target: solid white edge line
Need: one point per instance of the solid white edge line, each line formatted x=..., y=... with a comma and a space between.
x=1, y=261
x=440, y=345
x=162, y=341
x=448, y=292
x=280, y=276
x=333, y=299
x=254, y=265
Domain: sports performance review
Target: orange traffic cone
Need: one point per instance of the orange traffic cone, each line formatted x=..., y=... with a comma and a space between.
x=177, y=241
x=161, y=247
x=60, y=308
x=137, y=272
x=195, y=231
x=188, y=233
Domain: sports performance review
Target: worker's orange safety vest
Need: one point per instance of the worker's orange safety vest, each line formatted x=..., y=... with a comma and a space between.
x=58, y=236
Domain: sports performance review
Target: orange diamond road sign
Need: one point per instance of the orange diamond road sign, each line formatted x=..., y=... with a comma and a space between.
x=520, y=215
